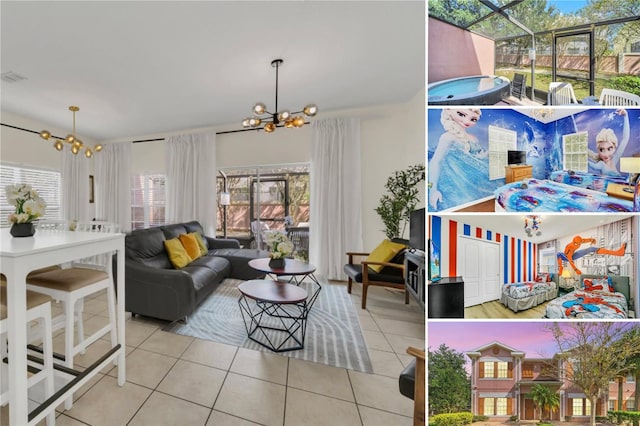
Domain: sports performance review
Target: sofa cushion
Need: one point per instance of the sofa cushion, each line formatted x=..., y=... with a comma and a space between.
x=146, y=246
x=190, y=244
x=194, y=226
x=202, y=242
x=178, y=256
x=239, y=259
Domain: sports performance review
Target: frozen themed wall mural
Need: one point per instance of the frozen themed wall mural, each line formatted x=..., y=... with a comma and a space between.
x=457, y=147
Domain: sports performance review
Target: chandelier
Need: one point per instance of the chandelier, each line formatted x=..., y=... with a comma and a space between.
x=532, y=225
x=541, y=114
x=76, y=144
x=284, y=118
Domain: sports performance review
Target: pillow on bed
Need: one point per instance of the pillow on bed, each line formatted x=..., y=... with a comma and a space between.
x=600, y=284
x=543, y=277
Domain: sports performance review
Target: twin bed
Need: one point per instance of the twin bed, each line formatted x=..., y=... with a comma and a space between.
x=532, y=195
x=609, y=301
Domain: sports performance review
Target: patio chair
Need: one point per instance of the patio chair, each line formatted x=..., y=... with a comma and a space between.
x=611, y=97
x=561, y=93
x=519, y=85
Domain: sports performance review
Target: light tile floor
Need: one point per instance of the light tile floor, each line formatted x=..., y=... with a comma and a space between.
x=178, y=380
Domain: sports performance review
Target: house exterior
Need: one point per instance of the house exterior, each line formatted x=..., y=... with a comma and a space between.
x=502, y=378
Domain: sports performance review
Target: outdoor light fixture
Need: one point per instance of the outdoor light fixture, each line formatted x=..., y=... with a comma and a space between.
x=271, y=120
x=76, y=144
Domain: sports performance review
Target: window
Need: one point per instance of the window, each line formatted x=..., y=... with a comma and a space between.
x=612, y=405
x=500, y=141
x=489, y=405
x=577, y=407
x=575, y=151
x=147, y=201
x=527, y=371
x=488, y=369
x=501, y=406
x=587, y=407
x=631, y=404
x=503, y=369
x=46, y=182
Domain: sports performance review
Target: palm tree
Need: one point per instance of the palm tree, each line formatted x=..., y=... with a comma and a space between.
x=544, y=398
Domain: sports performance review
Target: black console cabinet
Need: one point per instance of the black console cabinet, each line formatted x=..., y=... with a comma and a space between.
x=446, y=298
x=414, y=263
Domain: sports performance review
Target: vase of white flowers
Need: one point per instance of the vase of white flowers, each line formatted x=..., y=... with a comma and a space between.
x=29, y=207
x=279, y=247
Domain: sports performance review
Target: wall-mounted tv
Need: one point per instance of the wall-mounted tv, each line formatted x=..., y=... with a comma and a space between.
x=416, y=229
x=434, y=261
x=516, y=157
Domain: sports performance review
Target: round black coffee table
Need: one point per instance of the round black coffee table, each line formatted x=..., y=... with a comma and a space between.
x=278, y=318
x=296, y=269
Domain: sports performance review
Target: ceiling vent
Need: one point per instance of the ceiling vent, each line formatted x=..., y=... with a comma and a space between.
x=12, y=77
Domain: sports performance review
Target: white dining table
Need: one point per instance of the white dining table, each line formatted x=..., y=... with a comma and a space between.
x=18, y=257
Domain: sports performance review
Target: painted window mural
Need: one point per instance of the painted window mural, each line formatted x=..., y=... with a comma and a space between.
x=459, y=152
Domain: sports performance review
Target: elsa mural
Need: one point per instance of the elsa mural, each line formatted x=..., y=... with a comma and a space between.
x=605, y=161
x=459, y=163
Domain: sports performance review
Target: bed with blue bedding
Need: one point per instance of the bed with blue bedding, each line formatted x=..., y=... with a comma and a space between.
x=593, y=302
x=586, y=180
x=524, y=295
x=536, y=195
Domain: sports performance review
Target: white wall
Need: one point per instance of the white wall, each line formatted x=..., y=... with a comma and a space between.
x=393, y=137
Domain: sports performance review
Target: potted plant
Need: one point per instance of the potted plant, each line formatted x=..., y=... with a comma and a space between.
x=401, y=199
x=29, y=207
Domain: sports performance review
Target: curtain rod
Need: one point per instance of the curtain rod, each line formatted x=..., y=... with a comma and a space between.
x=143, y=140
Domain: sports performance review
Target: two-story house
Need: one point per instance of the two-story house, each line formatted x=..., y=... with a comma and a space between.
x=502, y=378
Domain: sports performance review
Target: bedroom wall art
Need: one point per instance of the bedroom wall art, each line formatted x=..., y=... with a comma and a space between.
x=458, y=149
x=518, y=255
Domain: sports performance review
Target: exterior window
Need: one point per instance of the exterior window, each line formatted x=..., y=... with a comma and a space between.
x=587, y=407
x=631, y=404
x=489, y=405
x=488, y=369
x=612, y=405
x=501, y=406
x=503, y=369
x=527, y=371
x=46, y=182
x=577, y=407
x=147, y=201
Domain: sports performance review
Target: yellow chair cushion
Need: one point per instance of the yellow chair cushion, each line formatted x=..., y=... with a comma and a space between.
x=203, y=248
x=190, y=244
x=385, y=251
x=178, y=256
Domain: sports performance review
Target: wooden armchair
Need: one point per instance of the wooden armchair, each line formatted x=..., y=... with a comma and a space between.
x=391, y=275
x=412, y=384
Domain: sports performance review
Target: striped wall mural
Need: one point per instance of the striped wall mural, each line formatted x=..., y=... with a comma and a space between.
x=518, y=256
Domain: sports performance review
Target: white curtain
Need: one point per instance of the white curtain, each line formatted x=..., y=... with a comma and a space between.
x=191, y=180
x=75, y=187
x=336, y=195
x=113, y=184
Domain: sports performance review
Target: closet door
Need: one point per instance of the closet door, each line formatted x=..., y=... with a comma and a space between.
x=480, y=270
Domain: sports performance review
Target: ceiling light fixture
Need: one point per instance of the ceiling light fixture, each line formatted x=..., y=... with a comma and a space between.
x=532, y=225
x=541, y=114
x=283, y=118
x=76, y=144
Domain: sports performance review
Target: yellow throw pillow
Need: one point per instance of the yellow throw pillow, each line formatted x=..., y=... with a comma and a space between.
x=385, y=251
x=203, y=248
x=177, y=254
x=190, y=244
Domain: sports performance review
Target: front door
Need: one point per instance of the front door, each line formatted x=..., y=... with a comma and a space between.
x=529, y=409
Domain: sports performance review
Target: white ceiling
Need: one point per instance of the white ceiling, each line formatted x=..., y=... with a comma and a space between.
x=550, y=114
x=138, y=68
x=553, y=225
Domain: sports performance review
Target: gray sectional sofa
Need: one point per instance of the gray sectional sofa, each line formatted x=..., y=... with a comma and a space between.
x=156, y=289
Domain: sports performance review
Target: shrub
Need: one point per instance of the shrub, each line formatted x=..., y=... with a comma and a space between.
x=477, y=418
x=545, y=424
x=451, y=419
x=513, y=418
x=627, y=83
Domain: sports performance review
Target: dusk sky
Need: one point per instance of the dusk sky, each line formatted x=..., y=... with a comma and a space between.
x=530, y=337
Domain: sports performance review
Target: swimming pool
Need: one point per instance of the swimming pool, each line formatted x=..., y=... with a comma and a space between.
x=475, y=90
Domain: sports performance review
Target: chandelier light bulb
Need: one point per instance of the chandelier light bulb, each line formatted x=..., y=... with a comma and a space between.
x=97, y=148
x=298, y=121
x=310, y=110
x=289, y=123
x=259, y=108
x=254, y=122
x=269, y=127
x=74, y=149
x=88, y=153
x=77, y=143
x=58, y=145
x=70, y=138
x=284, y=115
x=246, y=122
x=45, y=134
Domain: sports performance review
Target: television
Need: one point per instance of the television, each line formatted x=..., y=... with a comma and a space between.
x=434, y=261
x=416, y=229
x=516, y=157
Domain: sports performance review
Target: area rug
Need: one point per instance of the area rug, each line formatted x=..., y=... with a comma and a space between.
x=333, y=337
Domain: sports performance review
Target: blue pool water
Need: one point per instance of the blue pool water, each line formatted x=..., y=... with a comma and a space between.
x=465, y=85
